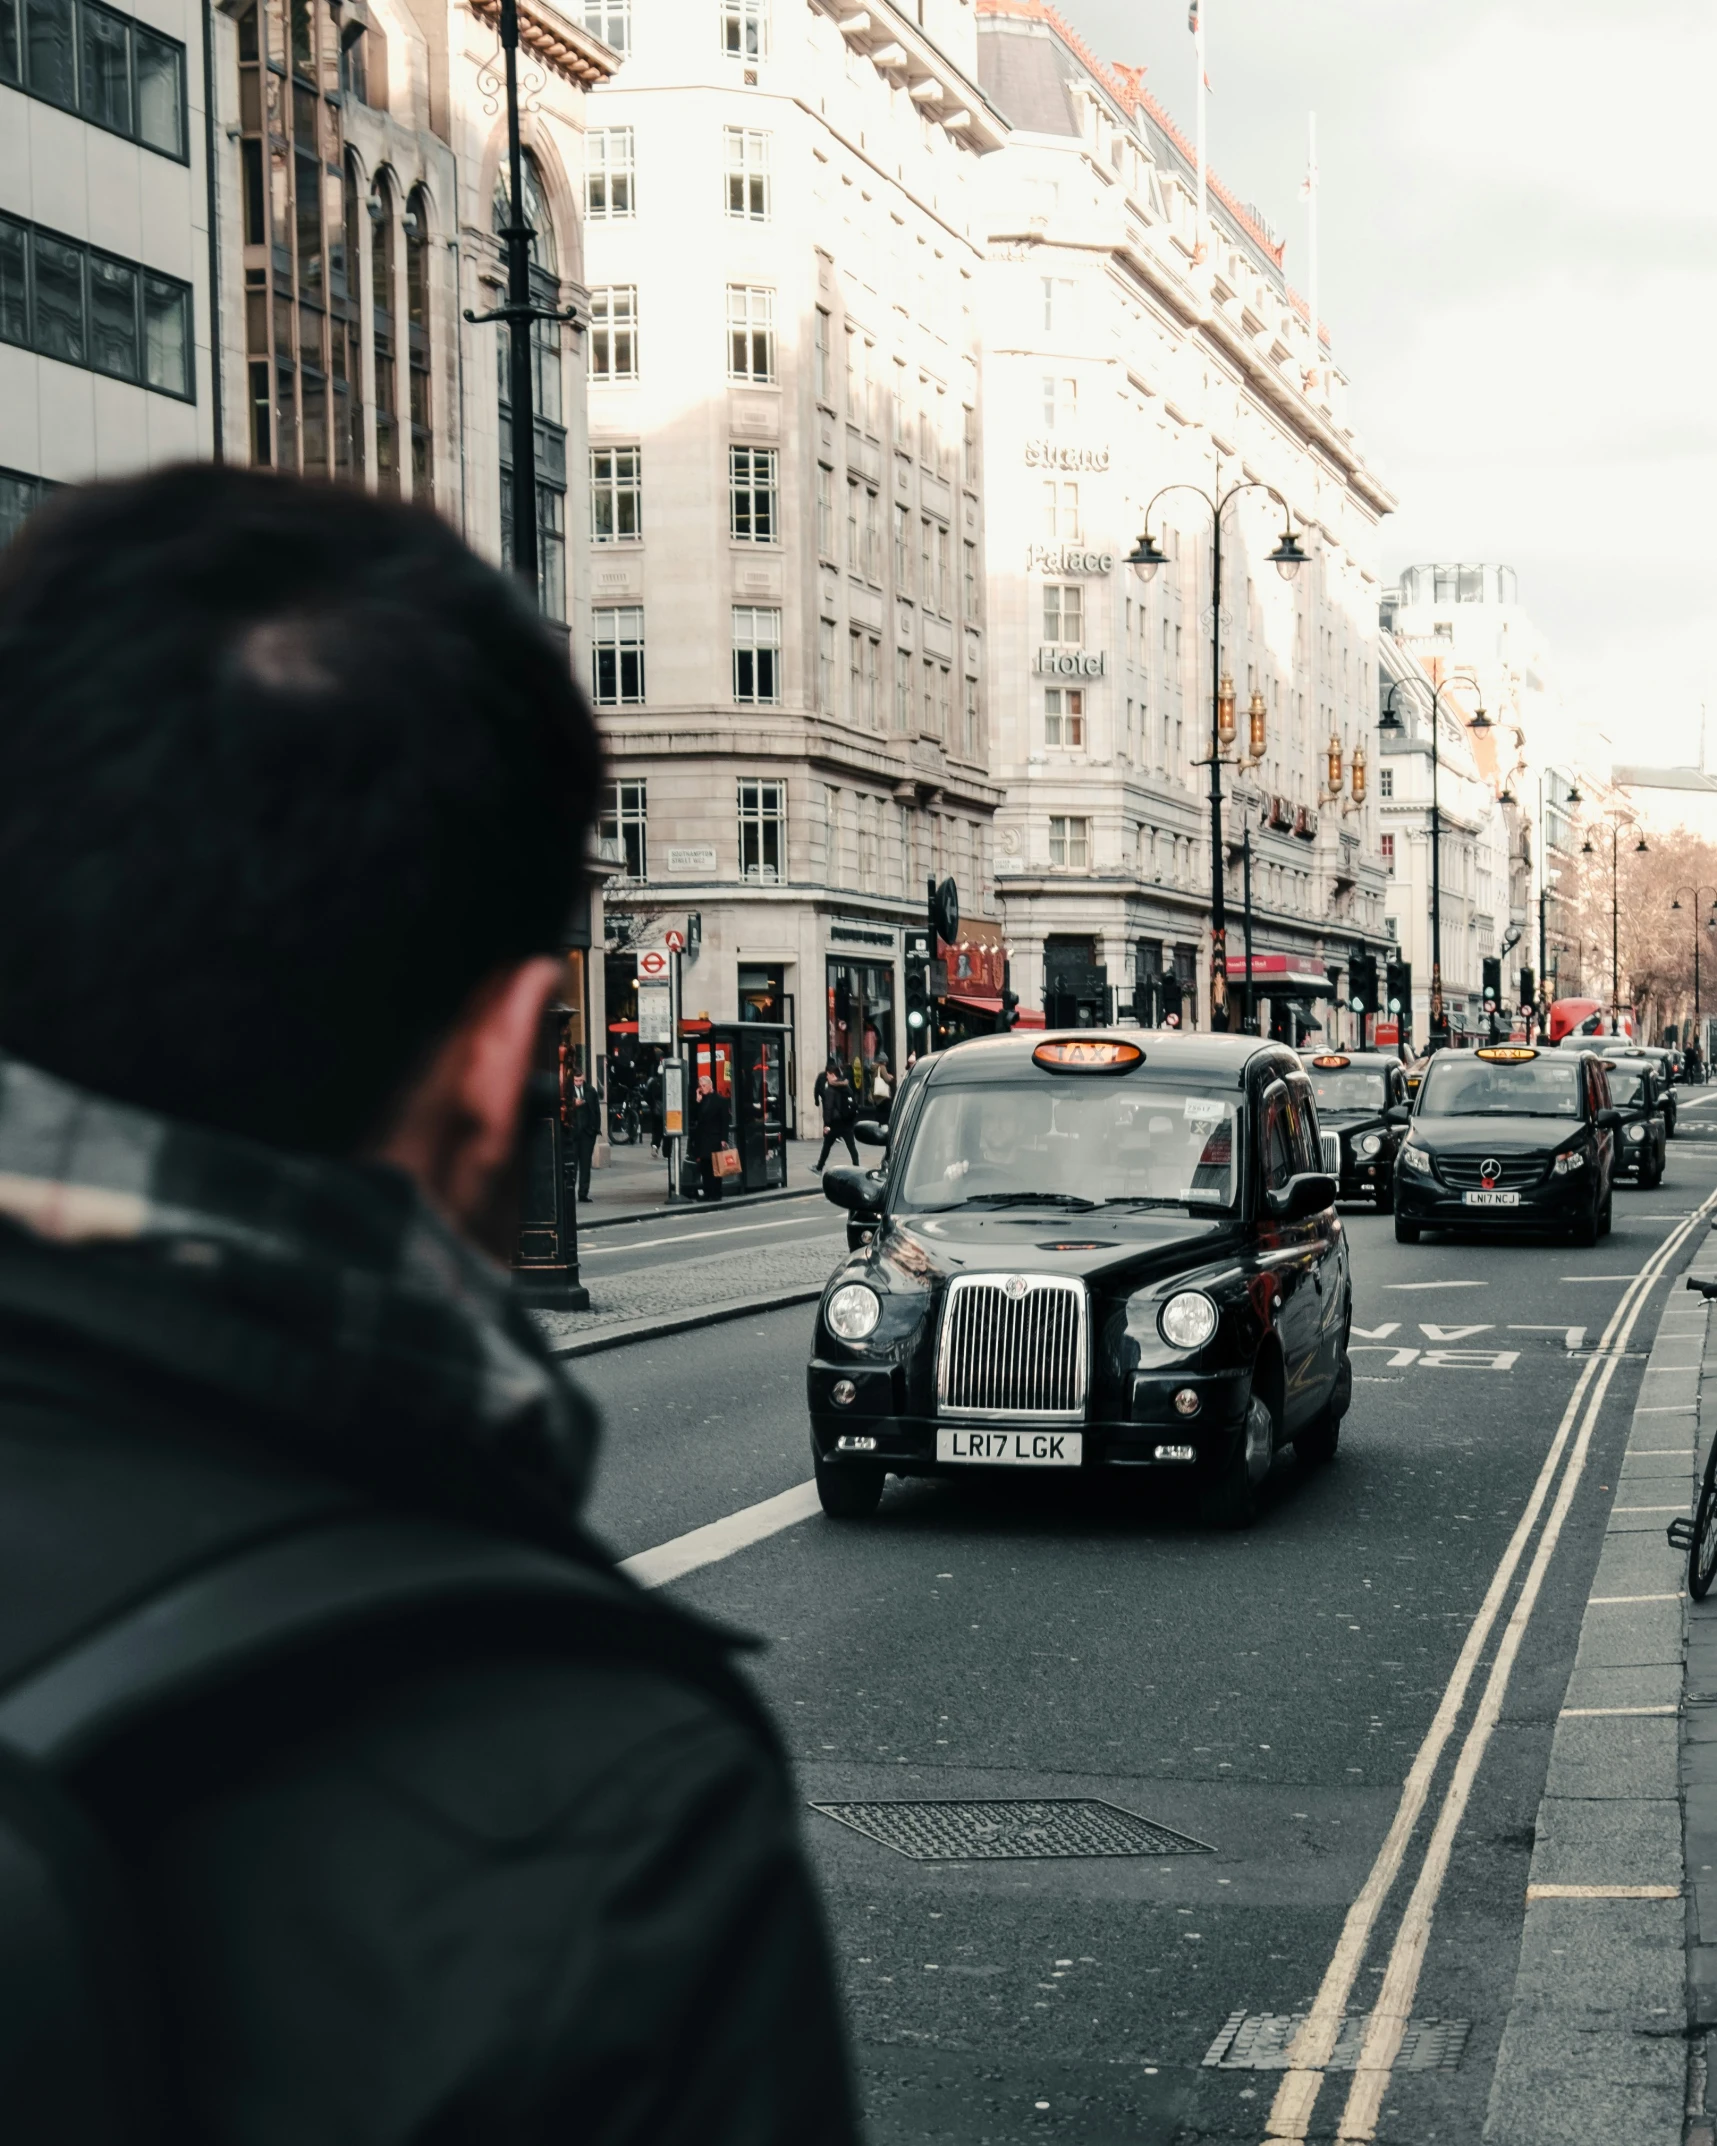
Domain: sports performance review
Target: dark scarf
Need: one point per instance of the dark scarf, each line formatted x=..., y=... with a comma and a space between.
x=320, y=1303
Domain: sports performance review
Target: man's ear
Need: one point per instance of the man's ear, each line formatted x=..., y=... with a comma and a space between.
x=456, y=1130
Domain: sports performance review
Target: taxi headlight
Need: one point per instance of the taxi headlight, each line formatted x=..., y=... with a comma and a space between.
x=1566, y=1165
x=1371, y=1143
x=1188, y=1320
x=1636, y=1132
x=1415, y=1158
x=852, y=1312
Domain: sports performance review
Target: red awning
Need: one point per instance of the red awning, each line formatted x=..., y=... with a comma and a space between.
x=687, y=1028
x=1029, y=1017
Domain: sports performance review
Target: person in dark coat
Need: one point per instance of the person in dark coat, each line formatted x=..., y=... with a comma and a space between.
x=835, y=1093
x=583, y=1115
x=465, y=1878
x=654, y=1109
x=712, y=1120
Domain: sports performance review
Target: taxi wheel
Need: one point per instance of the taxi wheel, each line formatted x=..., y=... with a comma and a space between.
x=1230, y=1502
x=1406, y=1232
x=849, y=1492
x=1588, y=1229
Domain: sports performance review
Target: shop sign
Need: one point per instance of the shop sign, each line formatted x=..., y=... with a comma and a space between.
x=1067, y=559
x=692, y=858
x=1059, y=454
x=1070, y=663
x=655, y=1013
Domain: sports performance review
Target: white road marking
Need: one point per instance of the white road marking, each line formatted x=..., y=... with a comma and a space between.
x=1453, y=1333
x=1379, y=1333
x=1296, y=2095
x=722, y=1538
x=1603, y=1892
x=1681, y=1508
x=1610, y=1601
x=1609, y=1713
x=1575, y=1336
x=1597, y=1277
x=649, y=1244
x=1436, y=1285
x=1677, y=1408
x=1393, y=2008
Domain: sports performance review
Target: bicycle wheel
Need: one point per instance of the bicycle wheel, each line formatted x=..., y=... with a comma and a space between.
x=1702, y=1551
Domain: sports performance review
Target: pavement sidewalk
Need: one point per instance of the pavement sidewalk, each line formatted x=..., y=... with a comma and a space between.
x=1597, y=2044
x=632, y=1185
x=668, y=1299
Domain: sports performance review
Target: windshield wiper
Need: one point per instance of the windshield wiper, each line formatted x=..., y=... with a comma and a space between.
x=1029, y=1199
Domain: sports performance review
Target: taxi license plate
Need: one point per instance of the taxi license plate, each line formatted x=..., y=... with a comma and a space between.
x=1491, y=1199
x=1013, y=1449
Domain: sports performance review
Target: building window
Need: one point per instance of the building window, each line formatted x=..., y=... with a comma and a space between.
x=973, y=738
x=944, y=700
x=1060, y=402
x=550, y=433
x=745, y=28
x=822, y=357
x=1064, y=613
x=19, y=498
x=902, y=689
x=614, y=332
x=750, y=334
x=871, y=511
x=756, y=653
x=902, y=550
x=969, y=563
x=825, y=511
x=617, y=655
x=1064, y=716
x=624, y=822
x=751, y=494
x=1060, y=511
x=610, y=20
x=1057, y=303
x=66, y=301
x=944, y=569
x=826, y=634
x=864, y=654
x=417, y=345
x=968, y=445
x=1386, y=848
x=104, y=66
x=927, y=714
x=609, y=175
x=1386, y=782
x=1069, y=842
x=747, y=159
x=763, y=831
x=616, y=495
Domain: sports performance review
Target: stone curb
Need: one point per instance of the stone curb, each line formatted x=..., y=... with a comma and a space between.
x=625, y=1331
x=1594, y=2047
x=588, y=1221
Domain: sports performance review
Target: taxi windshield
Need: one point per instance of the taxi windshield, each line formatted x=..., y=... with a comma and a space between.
x=1627, y=1084
x=1350, y=1088
x=1460, y=1087
x=1082, y=1143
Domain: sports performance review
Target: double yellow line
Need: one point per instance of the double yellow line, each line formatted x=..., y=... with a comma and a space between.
x=1296, y=2096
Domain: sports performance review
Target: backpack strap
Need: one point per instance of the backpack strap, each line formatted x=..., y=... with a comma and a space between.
x=267, y=1601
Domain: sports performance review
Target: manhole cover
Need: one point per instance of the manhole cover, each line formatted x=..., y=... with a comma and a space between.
x=1260, y=2041
x=961, y=1832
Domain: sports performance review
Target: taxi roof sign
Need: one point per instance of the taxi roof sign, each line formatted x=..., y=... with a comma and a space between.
x=1505, y=1054
x=1107, y=1056
x=1330, y=1060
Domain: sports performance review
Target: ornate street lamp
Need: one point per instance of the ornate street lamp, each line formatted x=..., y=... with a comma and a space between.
x=1616, y=822
x=1390, y=723
x=1695, y=894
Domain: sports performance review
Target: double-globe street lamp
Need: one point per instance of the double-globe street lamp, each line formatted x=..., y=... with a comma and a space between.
x=1287, y=558
x=1617, y=823
x=1696, y=895
x=1390, y=722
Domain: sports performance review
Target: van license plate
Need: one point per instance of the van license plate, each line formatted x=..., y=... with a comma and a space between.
x=1013, y=1449
x=1491, y=1199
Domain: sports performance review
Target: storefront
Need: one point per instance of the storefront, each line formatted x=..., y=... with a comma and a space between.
x=1285, y=987
x=861, y=1017
x=748, y=1061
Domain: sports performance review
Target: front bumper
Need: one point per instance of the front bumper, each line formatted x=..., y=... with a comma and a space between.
x=875, y=1428
x=1552, y=1203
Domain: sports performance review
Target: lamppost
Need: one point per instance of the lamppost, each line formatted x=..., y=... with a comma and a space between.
x=1696, y=895
x=1615, y=822
x=1390, y=721
x=1573, y=798
x=1287, y=558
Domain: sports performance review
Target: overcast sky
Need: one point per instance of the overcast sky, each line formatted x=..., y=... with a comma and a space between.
x=1518, y=273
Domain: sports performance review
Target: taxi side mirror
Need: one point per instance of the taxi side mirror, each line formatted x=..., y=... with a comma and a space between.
x=859, y=1191
x=869, y=1134
x=1397, y=1114
x=1610, y=1118
x=1308, y=1194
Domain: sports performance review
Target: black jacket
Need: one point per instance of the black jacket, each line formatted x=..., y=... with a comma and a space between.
x=711, y=1122
x=840, y=1103
x=458, y=1881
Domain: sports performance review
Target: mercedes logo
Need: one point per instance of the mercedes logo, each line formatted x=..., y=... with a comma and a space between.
x=1016, y=1285
x=1490, y=1167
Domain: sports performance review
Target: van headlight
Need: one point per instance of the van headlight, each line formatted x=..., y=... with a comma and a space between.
x=852, y=1312
x=1415, y=1158
x=1187, y=1320
x=1566, y=1165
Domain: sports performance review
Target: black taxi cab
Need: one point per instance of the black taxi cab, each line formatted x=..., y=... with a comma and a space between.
x=1509, y=1137
x=1096, y=1251
x=1661, y=1061
x=1639, y=1090
x=1362, y=1108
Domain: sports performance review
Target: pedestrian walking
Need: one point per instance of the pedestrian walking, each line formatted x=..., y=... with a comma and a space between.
x=448, y=1830
x=881, y=1090
x=654, y=1109
x=583, y=1116
x=834, y=1092
x=712, y=1121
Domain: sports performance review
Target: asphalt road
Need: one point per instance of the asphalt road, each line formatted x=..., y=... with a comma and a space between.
x=1262, y=1694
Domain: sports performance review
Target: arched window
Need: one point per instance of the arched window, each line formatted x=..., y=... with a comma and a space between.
x=550, y=431
x=346, y=257
x=382, y=334
x=417, y=343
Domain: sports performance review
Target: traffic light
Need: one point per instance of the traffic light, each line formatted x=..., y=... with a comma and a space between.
x=1362, y=982
x=1398, y=987
x=1492, y=980
x=917, y=967
x=1009, y=1015
x=1528, y=987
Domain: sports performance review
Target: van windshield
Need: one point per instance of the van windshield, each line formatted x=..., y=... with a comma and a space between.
x=1456, y=1086
x=1091, y=1143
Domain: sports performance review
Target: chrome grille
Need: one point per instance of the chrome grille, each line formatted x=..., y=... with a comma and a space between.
x=1332, y=1153
x=1013, y=1345
x=1512, y=1169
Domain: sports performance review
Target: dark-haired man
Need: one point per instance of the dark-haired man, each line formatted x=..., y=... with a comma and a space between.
x=294, y=793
